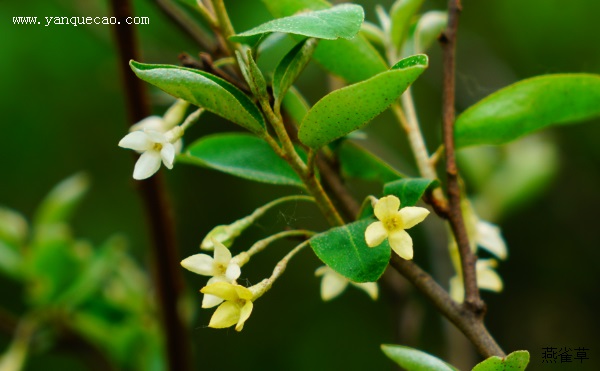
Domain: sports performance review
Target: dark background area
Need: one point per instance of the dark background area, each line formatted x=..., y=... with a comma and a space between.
x=63, y=111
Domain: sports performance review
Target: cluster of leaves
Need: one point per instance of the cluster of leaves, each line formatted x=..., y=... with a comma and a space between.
x=337, y=38
x=74, y=289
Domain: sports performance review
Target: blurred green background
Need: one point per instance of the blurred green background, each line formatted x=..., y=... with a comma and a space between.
x=64, y=112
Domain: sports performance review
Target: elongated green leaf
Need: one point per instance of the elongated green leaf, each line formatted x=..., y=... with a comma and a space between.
x=516, y=361
x=415, y=360
x=345, y=250
x=60, y=203
x=357, y=162
x=241, y=155
x=341, y=21
x=353, y=60
x=290, y=67
x=401, y=13
x=352, y=107
x=252, y=75
x=295, y=105
x=527, y=106
x=409, y=191
x=204, y=90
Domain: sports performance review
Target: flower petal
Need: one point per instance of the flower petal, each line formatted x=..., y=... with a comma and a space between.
x=412, y=215
x=224, y=290
x=209, y=301
x=226, y=315
x=457, y=290
x=167, y=153
x=371, y=288
x=487, y=278
x=233, y=272
x=222, y=254
x=178, y=145
x=138, y=141
x=156, y=136
x=386, y=207
x=375, y=234
x=244, y=315
x=146, y=165
x=199, y=264
x=151, y=122
x=243, y=292
x=402, y=244
x=490, y=238
x=332, y=285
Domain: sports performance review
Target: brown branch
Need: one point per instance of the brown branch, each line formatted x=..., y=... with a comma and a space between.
x=168, y=276
x=460, y=316
x=468, y=259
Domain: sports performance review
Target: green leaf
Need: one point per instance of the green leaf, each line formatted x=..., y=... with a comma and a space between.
x=353, y=60
x=285, y=8
x=295, y=105
x=241, y=155
x=99, y=268
x=429, y=28
x=204, y=90
x=352, y=107
x=401, y=14
x=527, y=106
x=13, y=227
x=341, y=21
x=516, y=361
x=409, y=191
x=414, y=360
x=290, y=67
x=52, y=263
x=345, y=250
x=357, y=162
x=252, y=75
x=59, y=205
x=10, y=260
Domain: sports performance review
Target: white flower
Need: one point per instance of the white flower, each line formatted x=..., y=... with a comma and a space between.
x=481, y=233
x=333, y=284
x=487, y=279
x=221, y=268
x=392, y=224
x=157, y=123
x=154, y=146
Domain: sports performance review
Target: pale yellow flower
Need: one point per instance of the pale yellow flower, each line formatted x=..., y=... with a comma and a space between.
x=392, y=224
x=237, y=306
x=333, y=284
x=221, y=268
x=487, y=279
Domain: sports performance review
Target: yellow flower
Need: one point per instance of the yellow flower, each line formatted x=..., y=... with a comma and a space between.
x=237, y=306
x=487, y=279
x=333, y=284
x=221, y=268
x=392, y=224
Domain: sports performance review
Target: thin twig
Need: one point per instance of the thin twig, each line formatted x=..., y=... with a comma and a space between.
x=471, y=326
x=468, y=259
x=187, y=24
x=168, y=277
